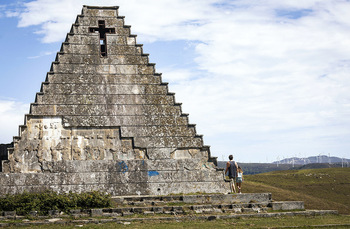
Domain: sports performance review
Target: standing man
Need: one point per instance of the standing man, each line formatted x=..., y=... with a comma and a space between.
x=231, y=167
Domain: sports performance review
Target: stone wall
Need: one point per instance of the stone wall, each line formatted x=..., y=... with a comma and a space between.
x=118, y=177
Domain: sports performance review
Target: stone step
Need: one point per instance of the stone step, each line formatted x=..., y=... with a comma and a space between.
x=286, y=205
x=103, y=78
x=105, y=99
x=104, y=109
x=251, y=203
x=175, y=207
x=167, y=210
x=103, y=89
x=117, y=59
x=197, y=199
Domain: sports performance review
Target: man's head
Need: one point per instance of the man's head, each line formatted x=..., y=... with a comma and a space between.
x=230, y=157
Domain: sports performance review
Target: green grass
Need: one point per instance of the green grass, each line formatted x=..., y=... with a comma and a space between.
x=318, y=188
x=287, y=221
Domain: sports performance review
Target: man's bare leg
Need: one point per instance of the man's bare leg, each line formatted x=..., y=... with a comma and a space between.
x=233, y=188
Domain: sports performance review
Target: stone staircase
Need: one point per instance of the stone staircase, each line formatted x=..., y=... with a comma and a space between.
x=200, y=204
x=175, y=207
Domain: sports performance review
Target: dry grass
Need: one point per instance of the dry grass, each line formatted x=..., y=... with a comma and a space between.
x=318, y=188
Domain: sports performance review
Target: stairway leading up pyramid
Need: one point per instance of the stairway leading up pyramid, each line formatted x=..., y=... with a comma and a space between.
x=104, y=120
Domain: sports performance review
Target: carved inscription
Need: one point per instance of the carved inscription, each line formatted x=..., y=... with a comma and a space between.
x=46, y=139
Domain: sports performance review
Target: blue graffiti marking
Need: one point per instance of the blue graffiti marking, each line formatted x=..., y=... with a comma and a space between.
x=153, y=173
x=122, y=167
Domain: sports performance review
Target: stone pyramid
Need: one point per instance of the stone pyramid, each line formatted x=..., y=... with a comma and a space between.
x=104, y=120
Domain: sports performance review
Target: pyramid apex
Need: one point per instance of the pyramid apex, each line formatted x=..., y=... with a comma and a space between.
x=101, y=7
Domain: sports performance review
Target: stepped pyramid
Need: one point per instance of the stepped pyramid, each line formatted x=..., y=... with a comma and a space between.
x=104, y=120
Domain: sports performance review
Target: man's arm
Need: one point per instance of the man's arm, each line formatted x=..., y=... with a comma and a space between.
x=227, y=166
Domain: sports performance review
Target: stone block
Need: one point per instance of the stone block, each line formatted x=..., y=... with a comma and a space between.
x=9, y=214
x=141, y=131
x=237, y=210
x=158, y=210
x=98, y=12
x=169, y=142
x=96, y=212
x=78, y=38
x=54, y=212
x=287, y=205
x=127, y=213
x=249, y=210
x=54, y=220
x=148, y=212
x=91, y=21
x=177, y=209
x=252, y=198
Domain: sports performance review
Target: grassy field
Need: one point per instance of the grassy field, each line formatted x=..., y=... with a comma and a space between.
x=328, y=221
x=327, y=189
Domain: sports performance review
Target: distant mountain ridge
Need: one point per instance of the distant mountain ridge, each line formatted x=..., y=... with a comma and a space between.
x=312, y=159
x=293, y=163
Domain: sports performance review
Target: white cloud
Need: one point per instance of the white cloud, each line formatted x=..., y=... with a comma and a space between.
x=264, y=68
x=173, y=76
x=11, y=116
x=164, y=19
x=2, y=14
x=40, y=55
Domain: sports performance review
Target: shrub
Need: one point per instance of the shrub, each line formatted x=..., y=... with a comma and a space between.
x=47, y=200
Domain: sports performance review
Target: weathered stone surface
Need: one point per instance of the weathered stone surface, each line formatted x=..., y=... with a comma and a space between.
x=102, y=89
x=92, y=59
x=90, y=49
x=242, y=198
x=103, y=79
x=95, y=181
x=92, y=21
x=104, y=109
x=104, y=120
x=96, y=212
x=287, y=205
x=116, y=120
x=105, y=99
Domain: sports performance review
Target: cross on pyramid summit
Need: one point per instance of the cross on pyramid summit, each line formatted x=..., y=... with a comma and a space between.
x=104, y=120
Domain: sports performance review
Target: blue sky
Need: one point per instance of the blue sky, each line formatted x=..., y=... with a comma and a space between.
x=263, y=80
